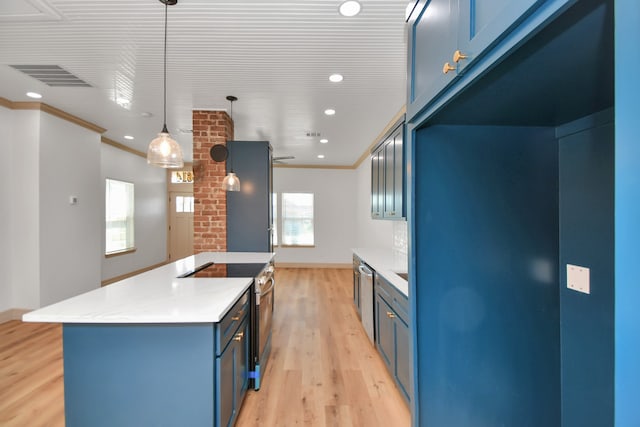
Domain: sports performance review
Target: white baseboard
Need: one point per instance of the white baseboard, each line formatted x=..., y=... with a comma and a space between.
x=12, y=314
x=312, y=265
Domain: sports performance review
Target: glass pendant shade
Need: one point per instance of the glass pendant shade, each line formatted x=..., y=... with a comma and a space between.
x=231, y=182
x=164, y=152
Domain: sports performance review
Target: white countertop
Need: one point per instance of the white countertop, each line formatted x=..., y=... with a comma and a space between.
x=158, y=296
x=387, y=263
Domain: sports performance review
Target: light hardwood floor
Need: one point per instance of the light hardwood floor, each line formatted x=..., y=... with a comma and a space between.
x=323, y=370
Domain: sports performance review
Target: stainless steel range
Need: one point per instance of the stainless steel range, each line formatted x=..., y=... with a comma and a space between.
x=262, y=306
x=264, y=293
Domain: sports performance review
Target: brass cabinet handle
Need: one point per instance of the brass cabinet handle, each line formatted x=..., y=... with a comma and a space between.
x=238, y=336
x=236, y=318
x=457, y=56
x=447, y=67
x=390, y=315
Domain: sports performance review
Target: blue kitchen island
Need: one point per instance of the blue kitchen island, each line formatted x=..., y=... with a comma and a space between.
x=158, y=350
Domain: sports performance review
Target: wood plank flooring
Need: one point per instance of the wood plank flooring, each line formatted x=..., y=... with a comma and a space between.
x=323, y=370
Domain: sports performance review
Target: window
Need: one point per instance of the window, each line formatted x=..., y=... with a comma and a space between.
x=184, y=204
x=297, y=219
x=119, y=216
x=274, y=219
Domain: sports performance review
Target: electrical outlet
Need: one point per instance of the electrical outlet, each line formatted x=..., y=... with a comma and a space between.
x=578, y=278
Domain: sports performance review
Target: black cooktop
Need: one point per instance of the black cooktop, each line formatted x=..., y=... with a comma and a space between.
x=211, y=269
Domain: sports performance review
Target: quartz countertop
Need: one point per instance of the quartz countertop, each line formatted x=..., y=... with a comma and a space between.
x=388, y=263
x=158, y=296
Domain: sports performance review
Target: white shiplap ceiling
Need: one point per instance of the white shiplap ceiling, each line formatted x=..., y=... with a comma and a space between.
x=275, y=56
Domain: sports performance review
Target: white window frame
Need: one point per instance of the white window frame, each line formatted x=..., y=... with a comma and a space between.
x=282, y=220
x=120, y=213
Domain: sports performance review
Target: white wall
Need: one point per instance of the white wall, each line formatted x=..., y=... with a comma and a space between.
x=24, y=196
x=6, y=182
x=334, y=213
x=69, y=234
x=150, y=210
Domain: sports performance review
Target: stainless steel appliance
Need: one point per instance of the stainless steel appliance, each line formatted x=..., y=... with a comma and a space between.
x=366, y=299
x=264, y=293
x=262, y=306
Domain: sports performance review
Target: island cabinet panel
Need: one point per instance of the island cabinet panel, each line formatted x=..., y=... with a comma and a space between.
x=233, y=368
x=192, y=374
x=138, y=375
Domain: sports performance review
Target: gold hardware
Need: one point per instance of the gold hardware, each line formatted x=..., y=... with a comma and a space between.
x=447, y=67
x=238, y=336
x=390, y=315
x=457, y=56
x=235, y=318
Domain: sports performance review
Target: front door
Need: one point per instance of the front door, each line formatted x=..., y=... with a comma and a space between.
x=180, y=225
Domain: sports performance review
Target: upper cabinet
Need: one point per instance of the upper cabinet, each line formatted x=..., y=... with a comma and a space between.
x=447, y=36
x=482, y=22
x=387, y=175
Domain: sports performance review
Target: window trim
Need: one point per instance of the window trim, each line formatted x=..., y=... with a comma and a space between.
x=121, y=252
x=132, y=248
x=281, y=219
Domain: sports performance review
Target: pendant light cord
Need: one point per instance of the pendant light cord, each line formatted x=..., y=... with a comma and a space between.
x=166, y=8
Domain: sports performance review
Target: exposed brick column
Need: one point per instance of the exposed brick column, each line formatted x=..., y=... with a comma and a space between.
x=210, y=208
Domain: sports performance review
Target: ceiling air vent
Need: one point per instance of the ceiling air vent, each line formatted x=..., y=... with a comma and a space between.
x=52, y=75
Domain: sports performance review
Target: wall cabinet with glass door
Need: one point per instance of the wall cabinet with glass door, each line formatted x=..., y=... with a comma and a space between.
x=387, y=176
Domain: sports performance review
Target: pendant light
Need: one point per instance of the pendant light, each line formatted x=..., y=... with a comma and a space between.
x=164, y=151
x=231, y=182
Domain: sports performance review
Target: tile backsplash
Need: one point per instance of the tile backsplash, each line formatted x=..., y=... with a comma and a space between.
x=400, y=238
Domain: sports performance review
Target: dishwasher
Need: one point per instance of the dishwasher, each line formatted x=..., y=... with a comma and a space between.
x=366, y=298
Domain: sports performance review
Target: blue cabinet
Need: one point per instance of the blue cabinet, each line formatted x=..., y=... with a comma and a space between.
x=232, y=361
x=447, y=36
x=387, y=175
x=392, y=333
x=432, y=40
x=249, y=211
x=233, y=367
x=482, y=22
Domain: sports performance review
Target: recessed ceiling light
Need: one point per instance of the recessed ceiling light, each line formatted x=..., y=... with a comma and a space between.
x=321, y=156
x=324, y=141
x=129, y=137
x=34, y=95
x=350, y=8
x=336, y=78
x=329, y=111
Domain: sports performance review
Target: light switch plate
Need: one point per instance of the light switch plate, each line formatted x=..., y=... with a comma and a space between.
x=578, y=278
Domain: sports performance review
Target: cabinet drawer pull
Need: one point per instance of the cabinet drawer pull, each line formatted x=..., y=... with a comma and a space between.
x=390, y=315
x=447, y=67
x=238, y=336
x=457, y=56
x=236, y=318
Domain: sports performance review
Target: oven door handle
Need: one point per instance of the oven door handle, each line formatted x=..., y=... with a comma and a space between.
x=267, y=291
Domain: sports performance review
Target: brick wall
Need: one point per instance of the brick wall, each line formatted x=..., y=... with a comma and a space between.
x=210, y=209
